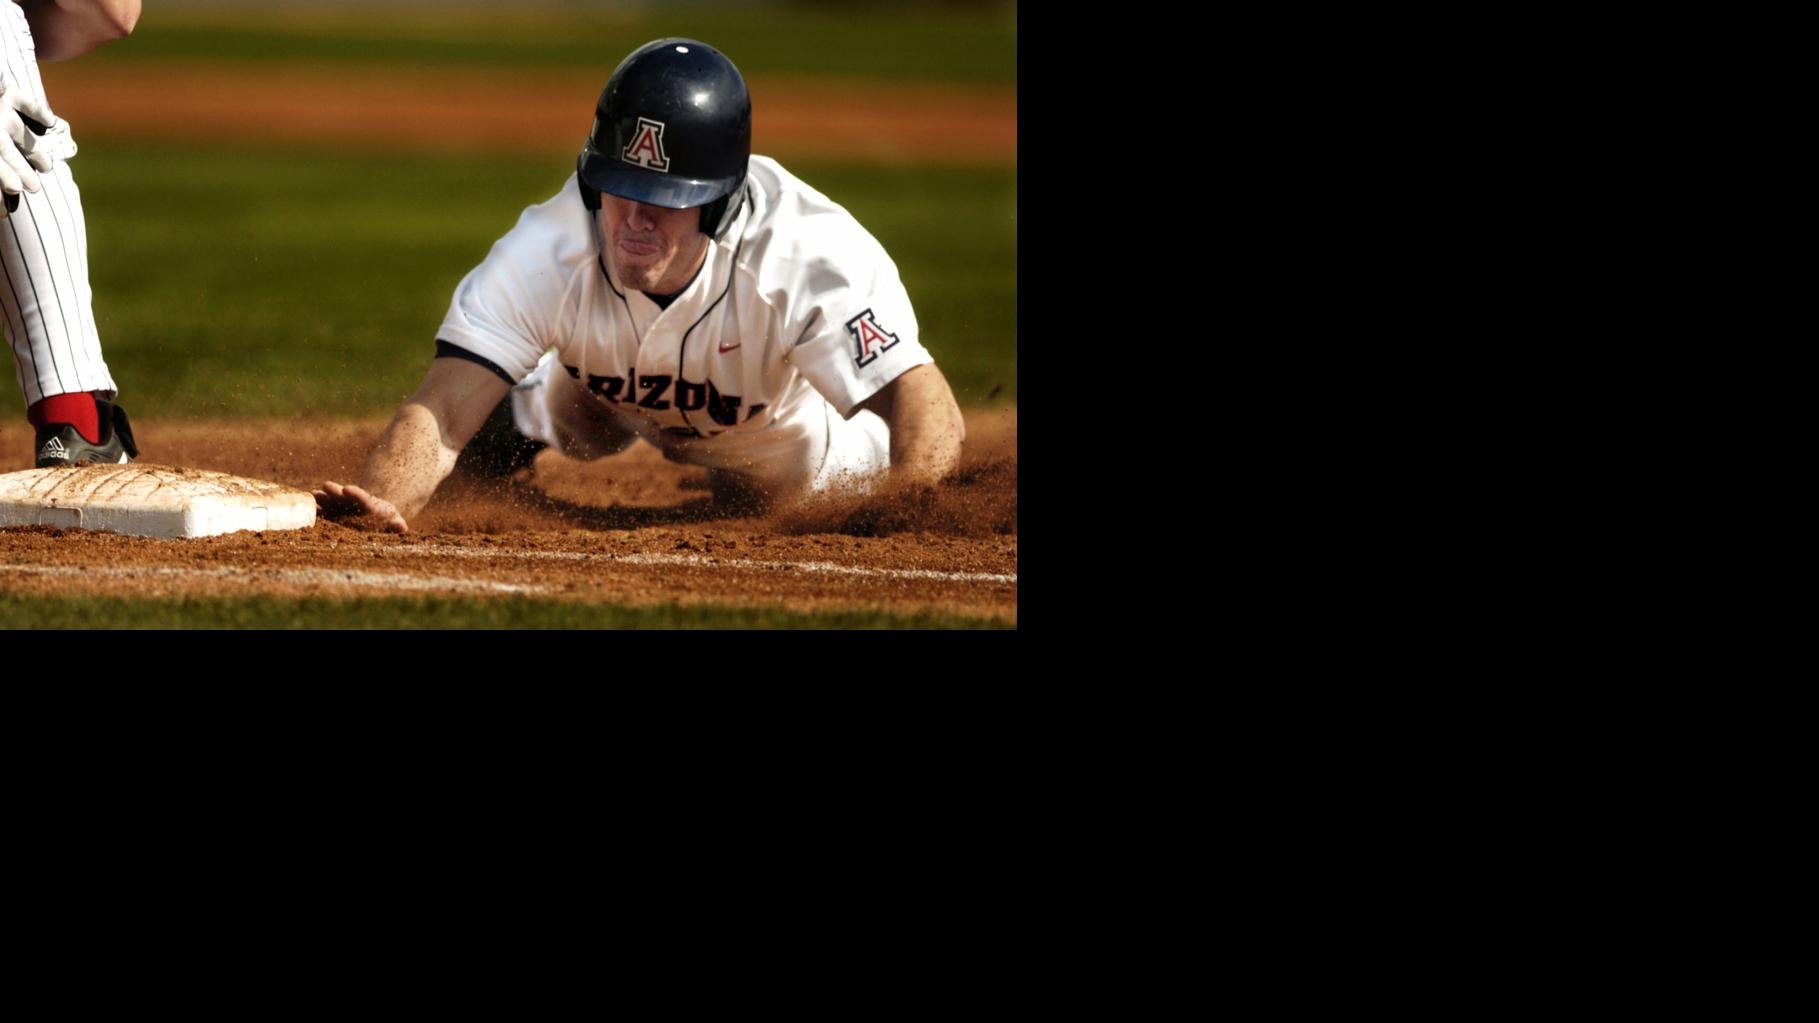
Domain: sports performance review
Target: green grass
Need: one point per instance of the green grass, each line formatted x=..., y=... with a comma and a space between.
x=268, y=282
x=22, y=612
x=940, y=42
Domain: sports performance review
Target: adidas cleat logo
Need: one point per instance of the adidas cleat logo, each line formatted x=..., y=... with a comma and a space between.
x=53, y=449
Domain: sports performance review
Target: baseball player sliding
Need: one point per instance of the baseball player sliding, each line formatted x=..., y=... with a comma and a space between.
x=44, y=289
x=680, y=290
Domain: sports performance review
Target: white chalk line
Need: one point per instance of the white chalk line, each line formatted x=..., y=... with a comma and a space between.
x=404, y=581
x=702, y=561
x=816, y=566
x=305, y=576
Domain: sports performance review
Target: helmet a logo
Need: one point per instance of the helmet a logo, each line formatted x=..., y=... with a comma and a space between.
x=868, y=338
x=646, y=147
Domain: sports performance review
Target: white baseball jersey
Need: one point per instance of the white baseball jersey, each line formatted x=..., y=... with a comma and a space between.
x=796, y=317
x=44, y=289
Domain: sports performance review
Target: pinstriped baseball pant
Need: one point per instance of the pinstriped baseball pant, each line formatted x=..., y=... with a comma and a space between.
x=44, y=290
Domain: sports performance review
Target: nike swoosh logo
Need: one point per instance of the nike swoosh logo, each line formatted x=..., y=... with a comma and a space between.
x=724, y=347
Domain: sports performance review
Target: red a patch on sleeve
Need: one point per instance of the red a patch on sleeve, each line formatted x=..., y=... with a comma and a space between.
x=868, y=338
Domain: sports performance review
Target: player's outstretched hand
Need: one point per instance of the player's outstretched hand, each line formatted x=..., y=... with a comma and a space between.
x=355, y=507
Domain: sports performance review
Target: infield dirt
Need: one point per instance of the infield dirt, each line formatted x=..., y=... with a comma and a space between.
x=632, y=529
x=431, y=110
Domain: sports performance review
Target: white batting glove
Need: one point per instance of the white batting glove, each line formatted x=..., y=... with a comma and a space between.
x=16, y=177
x=16, y=106
x=54, y=146
x=18, y=148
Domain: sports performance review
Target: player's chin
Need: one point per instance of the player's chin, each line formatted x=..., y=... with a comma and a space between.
x=641, y=278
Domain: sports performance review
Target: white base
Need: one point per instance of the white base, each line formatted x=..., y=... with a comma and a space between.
x=150, y=500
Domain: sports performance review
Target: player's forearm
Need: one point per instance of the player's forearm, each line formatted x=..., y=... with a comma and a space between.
x=410, y=461
x=927, y=429
x=926, y=453
x=62, y=29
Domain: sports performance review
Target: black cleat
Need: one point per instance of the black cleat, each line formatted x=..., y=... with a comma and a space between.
x=62, y=444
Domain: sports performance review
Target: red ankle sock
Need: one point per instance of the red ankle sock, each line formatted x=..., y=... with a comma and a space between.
x=78, y=410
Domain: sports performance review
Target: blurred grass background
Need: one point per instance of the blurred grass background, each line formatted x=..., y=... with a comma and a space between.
x=260, y=279
x=968, y=42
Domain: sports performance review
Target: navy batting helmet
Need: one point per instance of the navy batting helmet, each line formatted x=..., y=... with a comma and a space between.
x=673, y=128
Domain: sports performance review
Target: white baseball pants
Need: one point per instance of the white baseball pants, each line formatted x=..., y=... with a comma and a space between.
x=552, y=407
x=44, y=289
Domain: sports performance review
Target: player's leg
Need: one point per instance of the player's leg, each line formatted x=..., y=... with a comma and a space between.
x=847, y=455
x=46, y=303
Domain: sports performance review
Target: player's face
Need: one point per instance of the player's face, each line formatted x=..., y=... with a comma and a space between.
x=650, y=248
